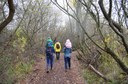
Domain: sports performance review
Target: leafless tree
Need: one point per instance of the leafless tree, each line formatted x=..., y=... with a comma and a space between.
x=10, y=16
x=94, y=9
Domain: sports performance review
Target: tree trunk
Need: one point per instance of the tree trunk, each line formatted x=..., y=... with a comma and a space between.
x=98, y=73
x=120, y=31
x=115, y=57
x=10, y=17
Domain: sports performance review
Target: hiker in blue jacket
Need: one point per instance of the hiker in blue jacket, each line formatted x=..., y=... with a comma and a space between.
x=67, y=54
x=49, y=54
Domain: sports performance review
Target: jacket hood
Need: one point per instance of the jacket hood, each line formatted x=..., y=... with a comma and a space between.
x=49, y=39
x=68, y=43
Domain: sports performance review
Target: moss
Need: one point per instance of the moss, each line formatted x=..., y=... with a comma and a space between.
x=91, y=77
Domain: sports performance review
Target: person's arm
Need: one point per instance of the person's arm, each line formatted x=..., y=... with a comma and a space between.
x=64, y=49
x=71, y=50
x=53, y=50
x=55, y=46
x=60, y=47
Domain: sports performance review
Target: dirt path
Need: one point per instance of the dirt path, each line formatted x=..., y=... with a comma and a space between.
x=57, y=75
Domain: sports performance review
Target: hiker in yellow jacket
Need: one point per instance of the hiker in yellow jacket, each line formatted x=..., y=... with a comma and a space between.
x=57, y=48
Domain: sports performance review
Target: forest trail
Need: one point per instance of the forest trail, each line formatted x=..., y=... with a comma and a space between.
x=57, y=75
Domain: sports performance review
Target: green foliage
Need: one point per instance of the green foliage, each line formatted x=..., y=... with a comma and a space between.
x=114, y=44
x=21, y=40
x=5, y=64
x=107, y=65
x=91, y=77
x=18, y=71
x=119, y=80
x=73, y=3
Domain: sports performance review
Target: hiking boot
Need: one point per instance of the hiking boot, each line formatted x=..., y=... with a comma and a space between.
x=47, y=71
x=65, y=70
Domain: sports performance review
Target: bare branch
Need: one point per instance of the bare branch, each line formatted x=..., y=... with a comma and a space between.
x=98, y=73
x=110, y=8
x=10, y=17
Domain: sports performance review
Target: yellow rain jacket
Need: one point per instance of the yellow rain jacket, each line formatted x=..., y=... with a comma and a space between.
x=57, y=50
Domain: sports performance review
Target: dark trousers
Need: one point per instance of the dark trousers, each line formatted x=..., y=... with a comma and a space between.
x=49, y=61
x=67, y=62
x=57, y=55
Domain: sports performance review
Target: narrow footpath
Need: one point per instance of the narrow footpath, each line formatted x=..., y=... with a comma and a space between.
x=57, y=75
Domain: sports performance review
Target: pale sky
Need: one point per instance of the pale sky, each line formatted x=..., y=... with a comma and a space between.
x=63, y=17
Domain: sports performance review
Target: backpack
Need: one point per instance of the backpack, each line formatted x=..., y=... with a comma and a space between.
x=57, y=46
x=49, y=52
x=67, y=52
x=49, y=44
